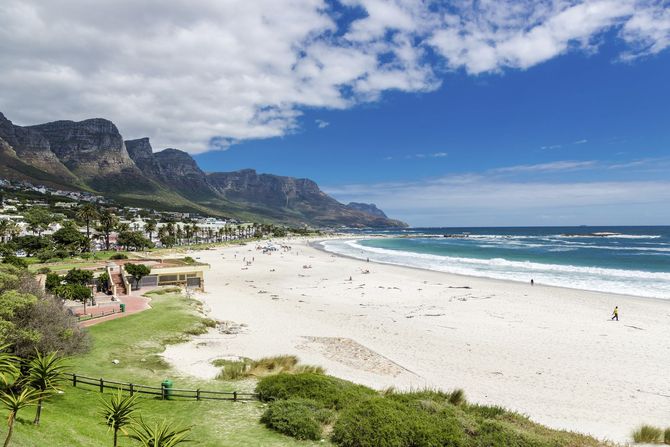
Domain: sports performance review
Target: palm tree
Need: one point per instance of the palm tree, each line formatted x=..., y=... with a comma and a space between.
x=45, y=372
x=15, y=402
x=161, y=434
x=150, y=227
x=108, y=222
x=88, y=214
x=9, y=368
x=118, y=412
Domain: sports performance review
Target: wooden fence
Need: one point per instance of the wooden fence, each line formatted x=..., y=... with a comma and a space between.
x=91, y=316
x=161, y=391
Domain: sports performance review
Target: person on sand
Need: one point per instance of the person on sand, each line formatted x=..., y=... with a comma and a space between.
x=532, y=282
x=615, y=313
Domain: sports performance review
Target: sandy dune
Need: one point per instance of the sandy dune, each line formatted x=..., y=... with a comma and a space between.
x=549, y=352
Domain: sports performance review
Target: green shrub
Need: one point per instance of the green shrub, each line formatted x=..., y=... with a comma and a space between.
x=485, y=411
x=300, y=418
x=15, y=261
x=328, y=391
x=118, y=256
x=666, y=436
x=493, y=433
x=43, y=270
x=386, y=422
x=53, y=280
x=648, y=434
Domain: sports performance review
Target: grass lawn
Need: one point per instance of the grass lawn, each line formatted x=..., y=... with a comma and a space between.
x=72, y=418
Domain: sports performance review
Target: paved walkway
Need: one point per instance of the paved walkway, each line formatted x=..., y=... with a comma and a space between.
x=134, y=304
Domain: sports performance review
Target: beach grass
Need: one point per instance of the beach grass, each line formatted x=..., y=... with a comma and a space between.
x=72, y=418
x=244, y=368
x=648, y=434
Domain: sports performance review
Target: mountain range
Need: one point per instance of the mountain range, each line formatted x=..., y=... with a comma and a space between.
x=91, y=155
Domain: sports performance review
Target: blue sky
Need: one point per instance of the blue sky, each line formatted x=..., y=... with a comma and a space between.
x=507, y=112
x=580, y=117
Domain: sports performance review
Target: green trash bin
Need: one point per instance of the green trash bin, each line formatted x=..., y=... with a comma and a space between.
x=122, y=306
x=166, y=387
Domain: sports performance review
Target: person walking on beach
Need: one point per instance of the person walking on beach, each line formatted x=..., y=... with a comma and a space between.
x=615, y=313
x=532, y=282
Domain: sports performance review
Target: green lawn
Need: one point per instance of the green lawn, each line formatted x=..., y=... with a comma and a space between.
x=72, y=419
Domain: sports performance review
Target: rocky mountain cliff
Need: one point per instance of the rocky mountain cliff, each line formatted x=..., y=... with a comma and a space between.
x=369, y=208
x=92, y=155
x=33, y=149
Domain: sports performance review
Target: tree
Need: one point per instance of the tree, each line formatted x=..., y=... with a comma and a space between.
x=45, y=372
x=78, y=276
x=87, y=214
x=74, y=292
x=108, y=222
x=8, y=230
x=32, y=244
x=118, y=412
x=69, y=238
x=14, y=403
x=38, y=219
x=133, y=239
x=32, y=320
x=137, y=271
x=150, y=228
x=160, y=434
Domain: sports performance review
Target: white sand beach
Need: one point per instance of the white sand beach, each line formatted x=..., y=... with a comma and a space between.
x=551, y=353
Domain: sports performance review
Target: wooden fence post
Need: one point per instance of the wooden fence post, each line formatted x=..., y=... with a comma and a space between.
x=102, y=385
x=197, y=394
x=235, y=396
x=131, y=388
x=74, y=380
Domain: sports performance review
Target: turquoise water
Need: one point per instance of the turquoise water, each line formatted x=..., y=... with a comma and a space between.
x=629, y=260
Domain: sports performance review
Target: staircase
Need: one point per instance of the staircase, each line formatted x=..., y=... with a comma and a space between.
x=118, y=284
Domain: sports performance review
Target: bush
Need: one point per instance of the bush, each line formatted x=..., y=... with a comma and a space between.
x=43, y=270
x=384, y=422
x=15, y=261
x=648, y=434
x=118, y=256
x=53, y=280
x=666, y=436
x=328, y=391
x=300, y=418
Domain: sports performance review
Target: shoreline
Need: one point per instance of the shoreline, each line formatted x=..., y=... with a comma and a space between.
x=315, y=244
x=545, y=351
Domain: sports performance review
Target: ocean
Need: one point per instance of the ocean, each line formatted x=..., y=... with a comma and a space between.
x=626, y=260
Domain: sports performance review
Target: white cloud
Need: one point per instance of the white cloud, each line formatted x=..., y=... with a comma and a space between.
x=184, y=72
x=564, y=165
x=482, y=200
x=582, y=141
x=321, y=124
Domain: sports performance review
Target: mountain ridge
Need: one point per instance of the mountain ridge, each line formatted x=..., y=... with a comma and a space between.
x=92, y=155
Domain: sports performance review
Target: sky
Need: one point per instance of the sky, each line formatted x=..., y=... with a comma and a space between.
x=459, y=113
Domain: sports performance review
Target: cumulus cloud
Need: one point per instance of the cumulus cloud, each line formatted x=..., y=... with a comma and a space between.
x=205, y=74
x=321, y=124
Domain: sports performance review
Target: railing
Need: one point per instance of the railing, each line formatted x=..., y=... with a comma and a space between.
x=86, y=317
x=163, y=392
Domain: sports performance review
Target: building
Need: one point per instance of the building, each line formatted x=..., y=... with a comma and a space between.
x=174, y=273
